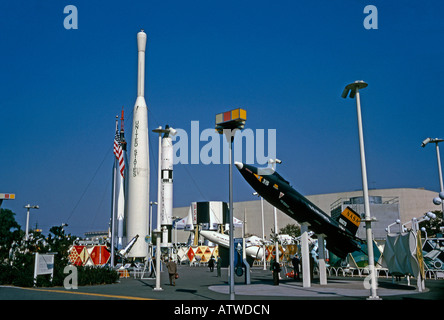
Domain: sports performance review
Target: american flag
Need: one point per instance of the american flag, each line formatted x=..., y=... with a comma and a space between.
x=118, y=152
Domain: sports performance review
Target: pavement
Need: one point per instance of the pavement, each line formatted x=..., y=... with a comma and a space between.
x=199, y=284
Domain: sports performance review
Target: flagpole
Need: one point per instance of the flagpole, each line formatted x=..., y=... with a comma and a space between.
x=113, y=209
x=124, y=179
x=113, y=214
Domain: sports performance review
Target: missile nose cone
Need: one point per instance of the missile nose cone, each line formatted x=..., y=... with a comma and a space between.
x=239, y=165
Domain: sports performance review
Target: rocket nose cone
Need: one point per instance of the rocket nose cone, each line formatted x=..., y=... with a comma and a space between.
x=239, y=165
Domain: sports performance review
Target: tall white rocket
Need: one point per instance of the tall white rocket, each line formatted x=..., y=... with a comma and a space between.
x=139, y=166
x=166, y=212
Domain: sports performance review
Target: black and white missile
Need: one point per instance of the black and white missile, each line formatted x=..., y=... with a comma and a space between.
x=340, y=234
x=166, y=211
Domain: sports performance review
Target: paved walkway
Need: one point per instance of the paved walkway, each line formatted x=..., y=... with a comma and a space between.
x=198, y=283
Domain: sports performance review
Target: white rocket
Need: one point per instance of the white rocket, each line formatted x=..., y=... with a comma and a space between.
x=166, y=207
x=139, y=169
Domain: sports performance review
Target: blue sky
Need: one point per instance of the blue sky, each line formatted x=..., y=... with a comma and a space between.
x=285, y=62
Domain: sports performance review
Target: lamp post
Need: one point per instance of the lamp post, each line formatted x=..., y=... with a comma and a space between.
x=228, y=123
x=353, y=89
x=439, y=199
x=397, y=222
x=175, y=220
x=263, y=229
x=436, y=141
x=276, y=244
x=150, y=223
x=416, y=221
x=150, y=231
x=28, y=207
x=415, y=228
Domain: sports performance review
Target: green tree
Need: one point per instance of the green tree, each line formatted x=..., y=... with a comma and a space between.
x=433, y=226
x=291, y=229
x=59, y=244
x=9, y=232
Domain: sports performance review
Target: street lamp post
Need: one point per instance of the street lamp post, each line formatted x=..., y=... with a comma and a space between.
x=150, y=233
x=415, y=228
x=436, y=141
x=176, y=219
x=263, y=229
x=353, y=89
x=150, y=226
x=228, y=123
x=397, y=222
x=276, y=244
x=28, y=207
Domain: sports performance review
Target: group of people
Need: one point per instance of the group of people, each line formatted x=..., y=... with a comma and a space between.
x=296, y=262
x=274, y=266
x=172, y=268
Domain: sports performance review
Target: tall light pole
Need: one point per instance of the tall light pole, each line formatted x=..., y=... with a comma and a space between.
x=263, y=229
x=28, y=207
x=228, y=123
x=175, y=220
x=353, y=89
x=150, y=231
x=436, y=141
x=150, y=223
x=276, y=244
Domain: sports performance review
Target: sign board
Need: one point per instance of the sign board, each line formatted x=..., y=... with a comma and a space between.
x=350, y=219
x=6, y=196
x=44, y=264
x=231, y=119
x=99, y=255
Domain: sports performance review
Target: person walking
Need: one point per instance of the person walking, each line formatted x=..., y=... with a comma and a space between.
x=276, y=269
x=211, y=264
x=172, y=271
x=219, y=266
x=296, y=262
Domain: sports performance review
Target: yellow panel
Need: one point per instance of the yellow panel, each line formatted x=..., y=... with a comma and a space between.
x=235, y=114
x=219, y=118
x=243, y=114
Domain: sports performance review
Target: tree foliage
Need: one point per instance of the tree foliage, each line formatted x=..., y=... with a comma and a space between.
x=9, y=232
x=292, y=230
x=17, y=256
x=433, y=226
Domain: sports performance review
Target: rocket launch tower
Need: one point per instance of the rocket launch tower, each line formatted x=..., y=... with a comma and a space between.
x=139, y=166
